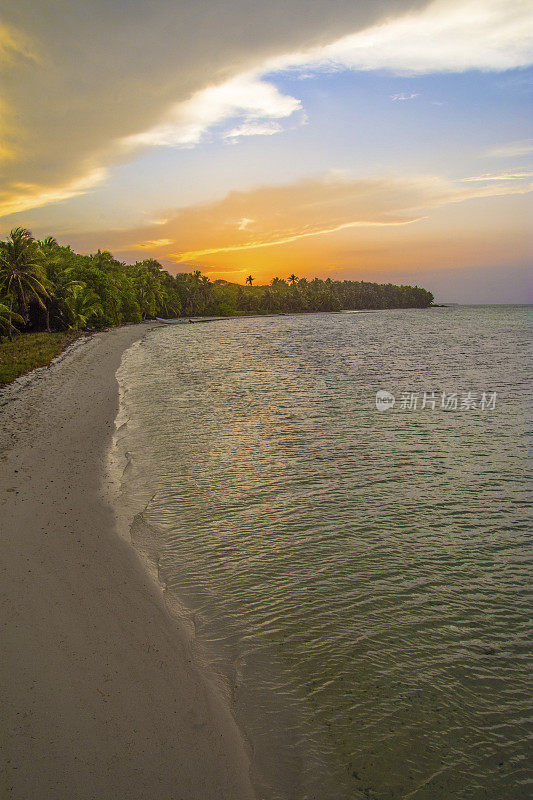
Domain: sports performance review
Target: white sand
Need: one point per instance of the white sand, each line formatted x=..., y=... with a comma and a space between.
x=101, y=695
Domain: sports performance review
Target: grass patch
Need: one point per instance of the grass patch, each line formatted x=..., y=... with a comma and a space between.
x=30, y=350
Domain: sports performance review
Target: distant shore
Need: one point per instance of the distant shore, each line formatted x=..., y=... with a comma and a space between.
x=103, y=695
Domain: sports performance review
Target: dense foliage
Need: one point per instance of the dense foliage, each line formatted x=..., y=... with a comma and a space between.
x=45, y=286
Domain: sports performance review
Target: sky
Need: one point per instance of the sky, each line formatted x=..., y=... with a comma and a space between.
x=382, y=140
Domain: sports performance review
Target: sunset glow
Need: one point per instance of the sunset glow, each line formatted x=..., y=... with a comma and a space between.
x=388, y=140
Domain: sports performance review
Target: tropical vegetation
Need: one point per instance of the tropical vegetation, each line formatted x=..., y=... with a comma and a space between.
x=45, y=286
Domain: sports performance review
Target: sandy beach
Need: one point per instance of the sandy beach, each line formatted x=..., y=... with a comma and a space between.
x=102, y=697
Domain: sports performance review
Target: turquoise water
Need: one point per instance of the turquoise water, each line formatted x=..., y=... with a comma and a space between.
x=361, y=578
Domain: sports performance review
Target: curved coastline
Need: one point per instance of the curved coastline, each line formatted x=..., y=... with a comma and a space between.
x=104, y=695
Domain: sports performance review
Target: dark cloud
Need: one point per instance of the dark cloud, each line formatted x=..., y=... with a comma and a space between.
x=81, y=74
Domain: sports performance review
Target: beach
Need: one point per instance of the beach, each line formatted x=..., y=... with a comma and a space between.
x=102, y=695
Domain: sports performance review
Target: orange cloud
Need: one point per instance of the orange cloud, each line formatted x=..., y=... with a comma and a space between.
x=24, y=196
x=254, y=245
x=282, y=215
x=333, y=224
x=282, y=223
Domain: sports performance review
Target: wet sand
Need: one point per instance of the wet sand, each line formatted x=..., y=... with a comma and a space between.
x=102, y=695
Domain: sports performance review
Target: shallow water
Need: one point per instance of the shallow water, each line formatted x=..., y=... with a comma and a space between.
x=362, y=578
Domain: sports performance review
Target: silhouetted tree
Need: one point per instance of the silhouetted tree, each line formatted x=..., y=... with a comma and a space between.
x=73, y=290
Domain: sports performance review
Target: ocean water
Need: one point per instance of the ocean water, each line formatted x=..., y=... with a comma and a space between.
x=359, y=579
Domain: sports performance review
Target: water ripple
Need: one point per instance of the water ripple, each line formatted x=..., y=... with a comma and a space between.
x=367, y=575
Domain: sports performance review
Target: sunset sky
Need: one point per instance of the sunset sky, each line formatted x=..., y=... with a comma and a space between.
x=385, y=140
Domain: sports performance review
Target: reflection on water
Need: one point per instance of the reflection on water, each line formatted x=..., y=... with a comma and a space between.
x=370, y=568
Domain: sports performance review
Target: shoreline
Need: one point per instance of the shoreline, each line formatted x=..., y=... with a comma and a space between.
x=82, y=336
x=104, y=695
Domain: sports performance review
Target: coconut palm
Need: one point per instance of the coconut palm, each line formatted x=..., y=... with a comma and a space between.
x=49, y=243
x=82, y=305
x=20, y=271
x=6, y=320
x=149, y=292
x=292, y=279
x=249, y=279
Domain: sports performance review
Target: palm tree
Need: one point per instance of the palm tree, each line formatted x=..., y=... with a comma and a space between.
x=292, y=279
x=205, y=292
x=82, y=304
x=20, y=272
x=249, y=280
x=6, y=320
x=49, y=243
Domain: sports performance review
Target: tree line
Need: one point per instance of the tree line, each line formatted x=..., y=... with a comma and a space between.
x=47, y=286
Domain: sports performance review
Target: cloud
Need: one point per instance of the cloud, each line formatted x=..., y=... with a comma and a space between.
x=502, y=176
x=86, y=85
x=291, y=212
x=82, y=78
x=404, y=96
x=244, y=96
x=521, y=148
x=292, y=237
x=250, y=128
x=244, y=222
x=271, y=216
x=268, y=218
x=155, y=243
x=445, y=36
x=24, y=196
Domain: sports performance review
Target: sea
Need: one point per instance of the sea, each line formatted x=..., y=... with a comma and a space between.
x=336, y=505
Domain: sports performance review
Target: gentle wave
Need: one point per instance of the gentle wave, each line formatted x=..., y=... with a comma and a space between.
x=362, y=578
